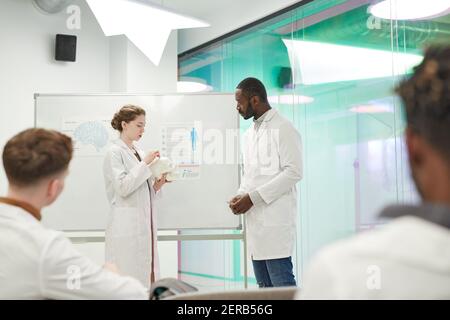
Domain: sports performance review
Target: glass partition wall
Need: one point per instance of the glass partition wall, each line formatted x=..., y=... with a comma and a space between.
x=330, y=67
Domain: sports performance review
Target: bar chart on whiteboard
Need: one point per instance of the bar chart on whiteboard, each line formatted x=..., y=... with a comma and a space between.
x=181, y=143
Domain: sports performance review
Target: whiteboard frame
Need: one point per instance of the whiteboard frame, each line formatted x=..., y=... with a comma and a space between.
x=100, y=237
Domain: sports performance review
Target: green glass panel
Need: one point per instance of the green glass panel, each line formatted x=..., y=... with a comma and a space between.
x=330, y=67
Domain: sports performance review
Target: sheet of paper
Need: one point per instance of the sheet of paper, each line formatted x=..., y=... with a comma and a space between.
x=181, y=142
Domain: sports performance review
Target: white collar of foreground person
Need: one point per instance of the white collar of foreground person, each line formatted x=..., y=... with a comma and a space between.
x=407, y=258
x=435, y=213
x=119, y=142
x=40, y=263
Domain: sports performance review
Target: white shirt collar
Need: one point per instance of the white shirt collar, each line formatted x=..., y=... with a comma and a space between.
x=16, y=213
x=261, y=118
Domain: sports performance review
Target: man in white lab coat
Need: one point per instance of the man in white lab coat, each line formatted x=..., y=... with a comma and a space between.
x=409, y=257
x=36, y=262
x=272, y=159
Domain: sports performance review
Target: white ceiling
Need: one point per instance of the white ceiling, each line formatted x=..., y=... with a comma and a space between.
x=197, y=8
x=223, y=15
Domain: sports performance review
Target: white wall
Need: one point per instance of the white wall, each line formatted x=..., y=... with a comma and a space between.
x=146, y=77
x=27, y=66
x=131, y=71
x=118, y=48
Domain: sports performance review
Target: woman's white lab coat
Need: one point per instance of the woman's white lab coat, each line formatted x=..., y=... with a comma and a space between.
x=272, y=167
x=131, y=233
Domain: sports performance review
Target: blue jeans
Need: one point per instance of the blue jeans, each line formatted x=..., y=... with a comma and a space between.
x=274, y=272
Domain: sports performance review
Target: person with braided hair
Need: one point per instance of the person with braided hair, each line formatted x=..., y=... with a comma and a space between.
x=408, y=257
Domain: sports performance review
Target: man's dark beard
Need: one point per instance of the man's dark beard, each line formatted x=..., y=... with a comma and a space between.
x=250, y=112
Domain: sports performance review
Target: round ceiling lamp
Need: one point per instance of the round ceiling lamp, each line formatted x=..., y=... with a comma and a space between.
x=410, y=9
x=51, y=6
x=191, y=85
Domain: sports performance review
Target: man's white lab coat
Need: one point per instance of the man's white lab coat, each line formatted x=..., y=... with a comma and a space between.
x=272, y=158
x=39, y=263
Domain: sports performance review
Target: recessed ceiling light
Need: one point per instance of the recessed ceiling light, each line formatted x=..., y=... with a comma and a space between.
x=51, y=6
x=290, y=99
x=191, y=87
x=410, y=9
x=319, y=62
x=372, y=108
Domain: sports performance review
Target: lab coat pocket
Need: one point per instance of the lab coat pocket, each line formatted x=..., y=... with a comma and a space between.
x=278, y=213
x=124, y=221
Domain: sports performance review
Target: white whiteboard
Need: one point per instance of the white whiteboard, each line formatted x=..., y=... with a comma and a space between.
x=186, y=204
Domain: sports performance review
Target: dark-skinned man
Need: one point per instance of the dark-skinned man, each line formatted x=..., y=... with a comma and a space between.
x=272, y=163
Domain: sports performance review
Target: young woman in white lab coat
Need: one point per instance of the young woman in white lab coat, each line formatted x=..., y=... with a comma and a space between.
x=131, y=236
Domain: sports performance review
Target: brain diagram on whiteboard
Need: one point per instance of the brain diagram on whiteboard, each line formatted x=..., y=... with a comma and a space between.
x=91, y=137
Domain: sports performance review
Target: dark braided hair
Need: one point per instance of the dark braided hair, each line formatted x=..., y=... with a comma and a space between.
x=426, y=98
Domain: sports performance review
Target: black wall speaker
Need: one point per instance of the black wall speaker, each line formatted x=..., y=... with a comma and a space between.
x=285, y=78
x=66, y=47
